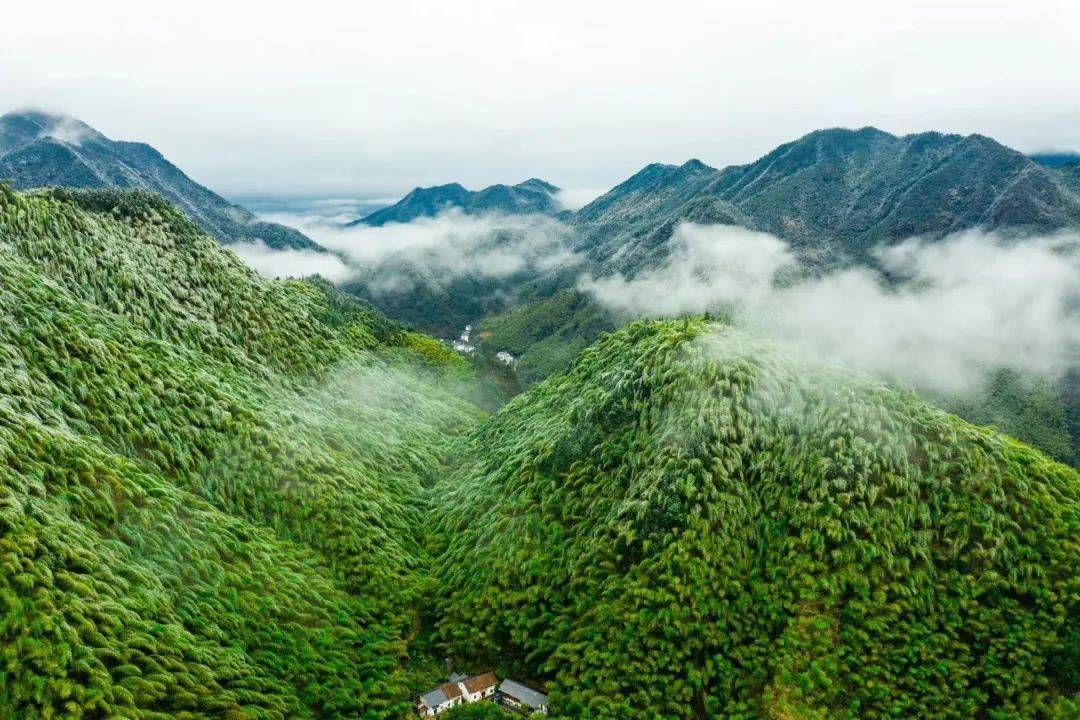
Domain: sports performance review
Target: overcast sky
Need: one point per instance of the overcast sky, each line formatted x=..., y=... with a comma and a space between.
x=346, y=98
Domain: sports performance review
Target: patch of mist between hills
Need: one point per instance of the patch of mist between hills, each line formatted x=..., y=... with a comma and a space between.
x=950, y=312
x=386, y=398
x=68, y=130
x=371, y=406
x=577, y=198
x=290, y=262
x=449, y=245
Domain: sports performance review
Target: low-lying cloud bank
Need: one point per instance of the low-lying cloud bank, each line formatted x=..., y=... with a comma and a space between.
x=949, y=311
x=276, y=263
x=449, y=245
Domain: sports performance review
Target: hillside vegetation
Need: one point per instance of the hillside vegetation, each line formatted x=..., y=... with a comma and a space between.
x=547, y=334
x=223, y=496
x=532, y=196
x=690, y=524
x=211, y=485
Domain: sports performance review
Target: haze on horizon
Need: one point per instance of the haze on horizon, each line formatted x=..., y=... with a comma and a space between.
x=339, y=98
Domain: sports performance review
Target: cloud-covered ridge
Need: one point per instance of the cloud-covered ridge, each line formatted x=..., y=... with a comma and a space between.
x=451, y=244
x=939, y=315
x=287, y=262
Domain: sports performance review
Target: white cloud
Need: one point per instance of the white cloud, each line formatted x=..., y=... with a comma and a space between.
x=275, y=263
x=450, y=245
x=581, y=94
x=954, y=309
x=710, y=266
x=69, y=131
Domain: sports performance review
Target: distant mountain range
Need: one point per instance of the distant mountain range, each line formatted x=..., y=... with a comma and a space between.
x=1066, y=164
x=835, y=194
x=40, y=149
x=1056, y=158
x=531, y=196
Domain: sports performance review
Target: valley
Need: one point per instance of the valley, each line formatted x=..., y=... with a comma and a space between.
x=230, y=495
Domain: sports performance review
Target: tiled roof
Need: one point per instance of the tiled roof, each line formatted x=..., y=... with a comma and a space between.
x=526, y=695
x=480, y=682
x=433, y=698
x=446, y=691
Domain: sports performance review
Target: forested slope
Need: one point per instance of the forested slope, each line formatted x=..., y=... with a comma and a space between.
x=691, y=524
x=211, y=484
x=224, y=496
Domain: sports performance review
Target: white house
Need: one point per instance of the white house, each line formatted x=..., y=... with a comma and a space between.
x=519, y=696
x=479, y=687
x=437, y=701
x=458, y=691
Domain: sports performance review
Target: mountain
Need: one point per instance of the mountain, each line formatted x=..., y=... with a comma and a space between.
x=531, y=196
x=1066, y=165
x=1070, y=176
x=212, y=485
x=1056, y=159
x=545, y=335
x=39, y=149
x=693, y=524
x=223, y=496
x=834, y=195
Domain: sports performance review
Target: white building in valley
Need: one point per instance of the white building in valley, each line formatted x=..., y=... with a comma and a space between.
x=522, y=697
x=458, y=691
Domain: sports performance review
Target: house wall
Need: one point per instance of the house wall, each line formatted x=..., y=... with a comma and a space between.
x=480, y=694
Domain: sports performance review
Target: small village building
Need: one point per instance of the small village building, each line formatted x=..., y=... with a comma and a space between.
x=479, y=687
x=522, y=697
x=461, y=689
x=437, y=701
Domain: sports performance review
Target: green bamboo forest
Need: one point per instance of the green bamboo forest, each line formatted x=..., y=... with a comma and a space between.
x=226, y=496
x=213, y=485
x=691, y=524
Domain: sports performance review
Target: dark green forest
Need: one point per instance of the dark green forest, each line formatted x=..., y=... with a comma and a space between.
x=212, y=484
x=691, y=524
x=223, y=496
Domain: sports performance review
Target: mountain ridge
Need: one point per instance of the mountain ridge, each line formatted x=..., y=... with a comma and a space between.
x=531, y=196
x=40, y=149
x=834, y=194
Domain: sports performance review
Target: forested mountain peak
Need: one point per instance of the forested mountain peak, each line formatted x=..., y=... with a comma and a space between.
x=532, y=196
x=693, y=523
x=39, y=149
x=23, y=127
x=835, y=194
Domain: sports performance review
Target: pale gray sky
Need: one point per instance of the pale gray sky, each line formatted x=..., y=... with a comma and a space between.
x=323, y=97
